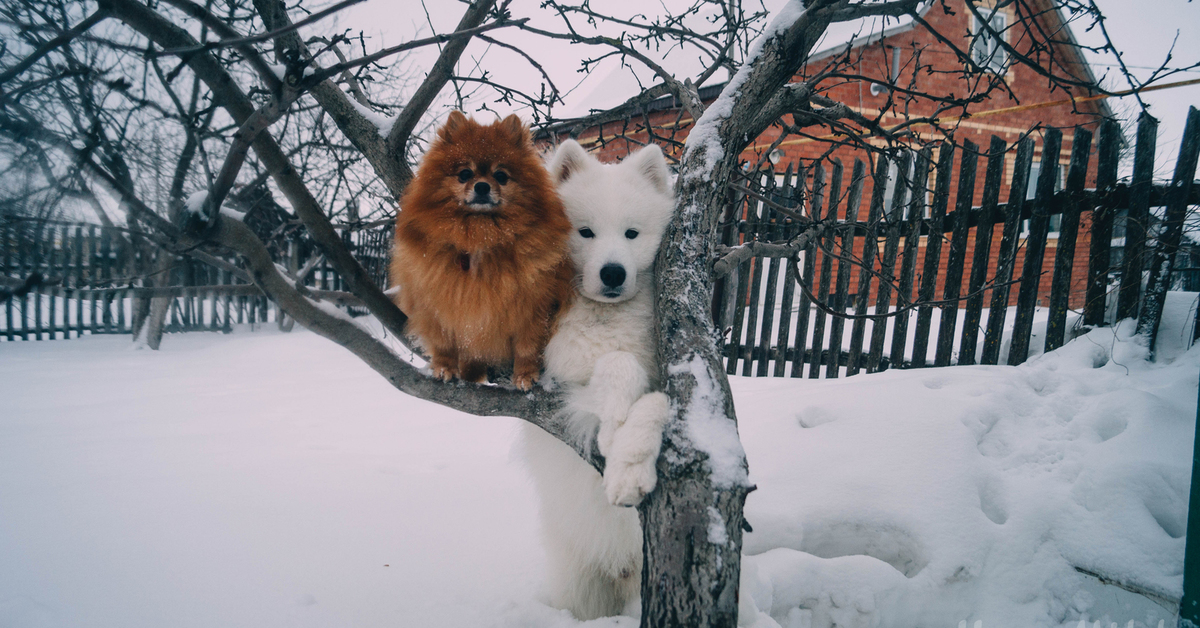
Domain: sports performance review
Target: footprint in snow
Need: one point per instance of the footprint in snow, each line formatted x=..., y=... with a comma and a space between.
x=816, y=415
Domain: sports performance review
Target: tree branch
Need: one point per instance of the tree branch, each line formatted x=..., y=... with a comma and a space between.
x=539, y=407
x=442, y=71
x=226, y=91
x=53, y=44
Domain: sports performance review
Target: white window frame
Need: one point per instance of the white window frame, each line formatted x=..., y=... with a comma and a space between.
x=986, y=50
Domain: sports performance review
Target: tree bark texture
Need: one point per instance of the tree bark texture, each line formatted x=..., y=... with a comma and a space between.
x=692, y=523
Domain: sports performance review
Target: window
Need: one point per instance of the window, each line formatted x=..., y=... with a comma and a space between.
x=1035, y=170
x=893, y=214
x=985, y=47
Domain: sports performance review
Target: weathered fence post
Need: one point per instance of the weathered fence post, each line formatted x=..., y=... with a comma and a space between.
x=933, y=252
x=983, y=251
x=912, y=241
x=845, y=257
x=1162, y=261
x=835, y=189
x=957, y=255
x=894, y=218
x=1102, y=224
x=1137, y=217
x=787, y=195
x=870, y=248
x=1064, y=259
x=1035, y=248
x=9, y=245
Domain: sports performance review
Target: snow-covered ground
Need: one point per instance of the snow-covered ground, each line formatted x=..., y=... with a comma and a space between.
x=270, y=479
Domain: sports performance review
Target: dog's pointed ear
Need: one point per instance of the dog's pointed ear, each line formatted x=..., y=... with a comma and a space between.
x=567, y=161
x=515, y=129
x=650, y=163
x=455, y=122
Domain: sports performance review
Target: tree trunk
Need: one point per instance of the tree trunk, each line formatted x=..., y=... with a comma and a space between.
x=692, y=523
x=159, y=306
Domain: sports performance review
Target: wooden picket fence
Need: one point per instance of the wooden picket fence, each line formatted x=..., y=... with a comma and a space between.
x=91, y=274
x=777, y=326
x=881, y=257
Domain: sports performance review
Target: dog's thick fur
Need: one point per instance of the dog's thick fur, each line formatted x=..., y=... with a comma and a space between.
x=604, y=355
x=481, y=251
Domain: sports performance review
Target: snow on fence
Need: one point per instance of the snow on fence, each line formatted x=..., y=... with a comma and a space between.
x=64, y=280
x=776, y=313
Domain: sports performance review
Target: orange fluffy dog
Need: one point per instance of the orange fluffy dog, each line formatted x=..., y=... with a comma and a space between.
x=481, y=252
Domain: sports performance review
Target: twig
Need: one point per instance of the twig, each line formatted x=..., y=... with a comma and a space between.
x=254, y=39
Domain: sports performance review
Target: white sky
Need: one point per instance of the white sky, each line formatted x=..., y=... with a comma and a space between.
x=1143, y=30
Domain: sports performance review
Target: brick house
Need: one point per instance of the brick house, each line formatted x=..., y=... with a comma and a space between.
x=906, y=54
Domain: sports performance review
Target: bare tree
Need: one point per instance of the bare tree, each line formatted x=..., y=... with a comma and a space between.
x=138, y=103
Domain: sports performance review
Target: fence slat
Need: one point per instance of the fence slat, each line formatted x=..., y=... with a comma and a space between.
x=23, y=265
x=870, y=250
x=38, y=261
x=9, y=246
x=1035, y=248
x=912, y=240
x=125, y=267
x=846, y=255
x=813, y=206
x=1007, y=256
x=933, y=254
x=1064, y=258
x=212, y=279
x=1137, y=217
x=763, y=348
x=52, y=272
x=756, y=274
x=1099, y=259
x=894, y=218
x=957, y=255
x=788, y=195
x=227, y=323
x=106, y=277
x=740, y=294
x=1162, y=259
x=983, y=251
x=771, y=270
x=93, y=276
x=835, y=189
x=78, y=243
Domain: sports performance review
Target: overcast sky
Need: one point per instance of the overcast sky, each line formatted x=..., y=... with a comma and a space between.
x=1143, y=30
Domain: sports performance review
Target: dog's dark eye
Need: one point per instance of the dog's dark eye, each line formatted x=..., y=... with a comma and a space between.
x=465, y=175
x=631, y=233
x=501, y=177
x=587, y=233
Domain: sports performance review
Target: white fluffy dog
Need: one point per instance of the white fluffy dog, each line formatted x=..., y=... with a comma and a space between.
x=604, y=357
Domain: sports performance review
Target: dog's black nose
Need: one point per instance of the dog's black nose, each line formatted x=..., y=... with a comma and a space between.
x=612, y=275
x=482, y=188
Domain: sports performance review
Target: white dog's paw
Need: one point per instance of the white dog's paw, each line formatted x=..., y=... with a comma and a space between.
x=629, y=472
x=627, y=485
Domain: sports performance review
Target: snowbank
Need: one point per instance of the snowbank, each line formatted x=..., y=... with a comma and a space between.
x=930, y=497
x=268, y=479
